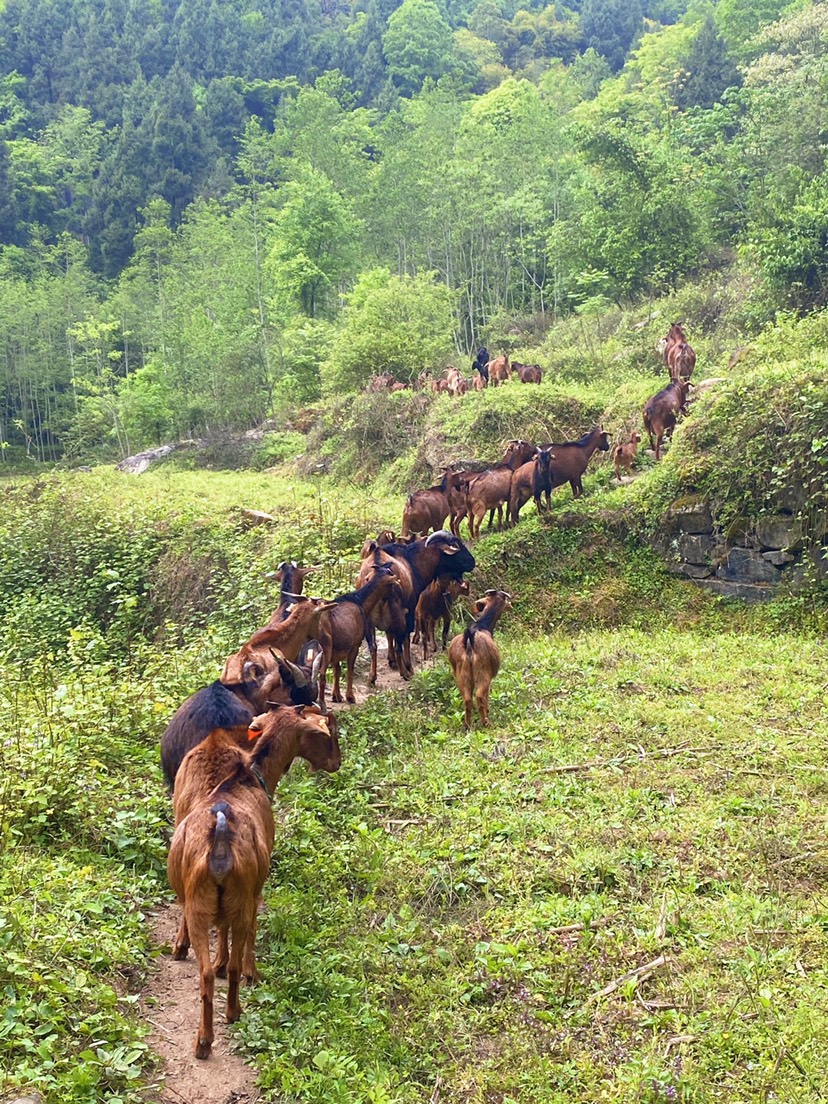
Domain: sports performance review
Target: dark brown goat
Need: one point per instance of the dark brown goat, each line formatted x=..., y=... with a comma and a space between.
x=220, y=852
x=531, y=480
x=415, y=565
x=490, y=489
x=662, y=410
x=435, y=603
x=624, y=455
x=527, y=373
x=427, y=510
x=572, y=457
x=474, y=656
x=342, y=629
x=251, y=677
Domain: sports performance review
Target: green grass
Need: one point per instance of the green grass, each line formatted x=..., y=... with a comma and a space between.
x=408, y=934
x=407, y=951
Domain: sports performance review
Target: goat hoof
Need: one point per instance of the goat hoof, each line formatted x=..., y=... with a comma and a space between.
x=372, y=681
x=180, y=952
x=336, y=697
x=251, y=979
x=220, y=970
x=233, y=1015
x=350, y=699
x=203, y=1048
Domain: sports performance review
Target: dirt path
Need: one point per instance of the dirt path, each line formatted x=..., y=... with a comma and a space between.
x=170, y=1003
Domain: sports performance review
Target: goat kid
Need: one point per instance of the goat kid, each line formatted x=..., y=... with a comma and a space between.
x=623, y=455
x=435, y=603
x=474, y=656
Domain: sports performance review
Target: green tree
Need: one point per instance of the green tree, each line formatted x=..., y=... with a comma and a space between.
x=398, y=324
x=610, y=26
x=708, y=70
x=418, y=44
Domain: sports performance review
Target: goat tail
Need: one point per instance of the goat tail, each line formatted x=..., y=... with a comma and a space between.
x=468, y=642
x=221, y=856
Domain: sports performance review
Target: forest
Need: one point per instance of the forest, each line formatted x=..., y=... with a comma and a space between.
x=220, y=225
x=207, y=208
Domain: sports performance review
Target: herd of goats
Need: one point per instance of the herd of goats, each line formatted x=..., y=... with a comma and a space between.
x=228, y=745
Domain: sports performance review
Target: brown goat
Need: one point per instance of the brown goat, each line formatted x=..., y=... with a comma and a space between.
x=220, y=852
x=342, y=629
x=531, y=480
x=265, y=669
x=624, y=455
x=435, y=603
x=288, y=636
x=428, y=509
x=490, y=489
x=681, y=360
x=662, y=410
x=479, y=382
x=498, y=370
x=527, y=373
x=474, y=656
x=572, y=457
x=415, y=565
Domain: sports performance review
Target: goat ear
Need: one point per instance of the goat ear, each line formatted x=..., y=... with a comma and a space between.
x=252, y=670
x=480, y=605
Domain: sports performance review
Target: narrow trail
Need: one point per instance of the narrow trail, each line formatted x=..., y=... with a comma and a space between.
x=169, y=999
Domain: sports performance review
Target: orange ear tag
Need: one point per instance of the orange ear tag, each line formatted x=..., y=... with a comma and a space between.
x=253, y=733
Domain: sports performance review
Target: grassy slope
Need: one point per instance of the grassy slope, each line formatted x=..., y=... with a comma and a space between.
x=407, y=950
x=396, y=954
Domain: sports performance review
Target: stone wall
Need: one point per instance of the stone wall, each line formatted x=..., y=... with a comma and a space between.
x=748, y=562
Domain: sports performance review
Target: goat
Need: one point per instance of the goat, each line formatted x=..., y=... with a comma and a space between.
x=572, y=457
x=479, y=381
x=681, y=360
x=490, y=489
x=428, y=509
x=498, y=370
x=474, y=656
x=386, y=536
x=531, y=480
x=342, y=629
x=249, y=678
x=220, y=851
x=527, y=373
x=415, y=565
x=624, y=455
x=662, y=410
x=292, y=577
x=434, y=603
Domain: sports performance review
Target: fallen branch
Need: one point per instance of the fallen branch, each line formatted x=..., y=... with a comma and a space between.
x=623, y=760
x=638, y=974
x=564, y=929
x=661, y=924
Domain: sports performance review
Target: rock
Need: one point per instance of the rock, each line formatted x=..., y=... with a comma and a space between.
x=778, y=558
x=691, y=570
x=256, y=517
x=706, y=385
x=746, y=592
x=812, y=569
x=695, y=548
x=743, y=565
x=29, y=1098
x=780, y=531
x=690, y=515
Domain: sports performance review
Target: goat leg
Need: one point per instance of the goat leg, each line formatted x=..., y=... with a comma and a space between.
x=349, y=690
x=207, y=979
x=182, y=940
x=336, y=695
x=222, y=953
x=371, y=641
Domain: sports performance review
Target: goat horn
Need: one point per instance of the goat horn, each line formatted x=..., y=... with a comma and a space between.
x=299, y=676
x=287, y=594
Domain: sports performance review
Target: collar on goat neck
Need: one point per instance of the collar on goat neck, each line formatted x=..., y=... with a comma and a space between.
x=260, y=778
